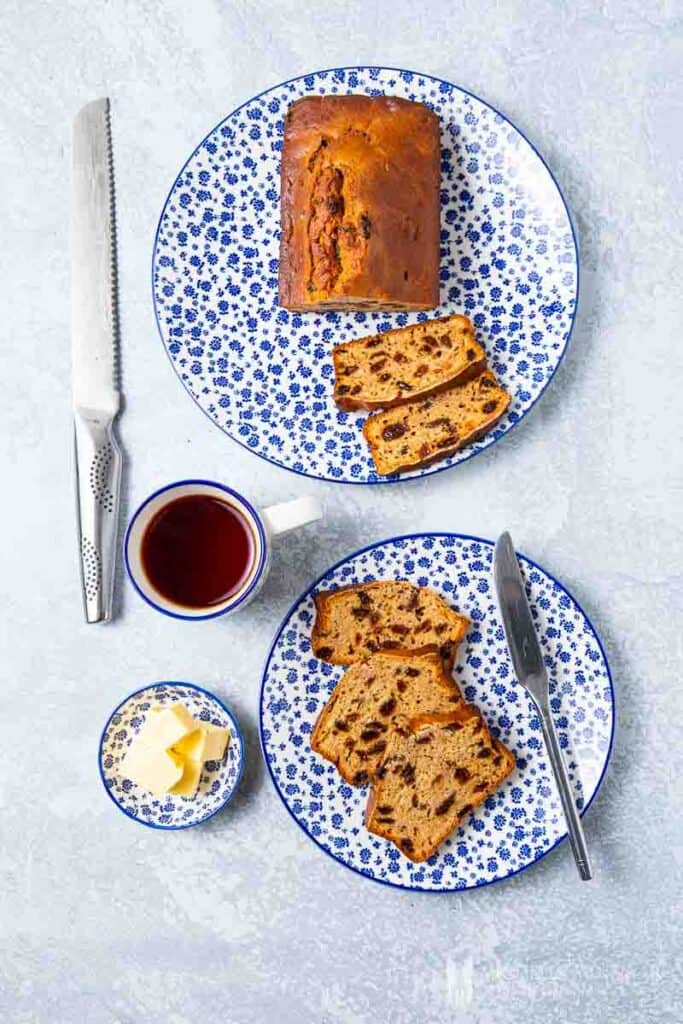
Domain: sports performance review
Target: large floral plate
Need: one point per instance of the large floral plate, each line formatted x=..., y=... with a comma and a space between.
x=523, y=821
x=264, y=375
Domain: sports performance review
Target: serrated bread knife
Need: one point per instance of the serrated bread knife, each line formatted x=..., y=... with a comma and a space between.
x=94, y=354
x=530, y=670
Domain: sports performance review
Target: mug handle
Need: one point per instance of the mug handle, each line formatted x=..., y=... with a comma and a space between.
x=290, y=515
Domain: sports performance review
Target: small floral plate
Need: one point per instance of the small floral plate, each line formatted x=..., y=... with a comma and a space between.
x=523, y=820
x=264, y=375
x=219, y=778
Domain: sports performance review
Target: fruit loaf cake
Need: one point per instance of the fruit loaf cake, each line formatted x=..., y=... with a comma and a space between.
x=370, y=700
x=407, y=363
x=353, y=622
x=360, y=201
x=428, y=429
x=431, y=777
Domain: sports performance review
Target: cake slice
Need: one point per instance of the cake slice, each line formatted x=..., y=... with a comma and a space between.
x=432, y=777
x=373, y=698
x=429, y=429
x=356, y=621
x=410, y=362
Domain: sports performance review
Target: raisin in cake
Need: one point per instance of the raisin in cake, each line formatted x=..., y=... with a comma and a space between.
x=360, y=204
x=431, y=777
x=356, y=621
x=370, y=700
x=410, y=362
x=428, y=429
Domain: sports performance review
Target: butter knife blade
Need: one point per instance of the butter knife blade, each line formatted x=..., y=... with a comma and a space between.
x=527, y=659
x=520, y=631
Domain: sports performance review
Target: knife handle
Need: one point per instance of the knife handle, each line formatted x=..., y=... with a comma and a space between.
x=98, y=486
x=571, y=814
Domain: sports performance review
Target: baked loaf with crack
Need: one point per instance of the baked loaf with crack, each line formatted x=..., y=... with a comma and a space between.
x=360, y=202
x=354, y=622
x=412, y=362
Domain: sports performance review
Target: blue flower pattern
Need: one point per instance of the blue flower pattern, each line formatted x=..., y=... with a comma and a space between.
x=219, y=778
x=523, y=820
x=263, y=374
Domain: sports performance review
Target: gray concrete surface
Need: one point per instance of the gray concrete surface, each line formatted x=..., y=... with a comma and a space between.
x=244, y=921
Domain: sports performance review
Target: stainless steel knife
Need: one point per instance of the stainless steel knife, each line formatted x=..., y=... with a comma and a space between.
x=530, y=670
x=94, y=354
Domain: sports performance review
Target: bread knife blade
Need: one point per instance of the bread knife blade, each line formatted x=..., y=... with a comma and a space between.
x=94, y=354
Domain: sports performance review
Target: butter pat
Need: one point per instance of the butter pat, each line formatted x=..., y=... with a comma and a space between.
x=170, y=749
x=206, y=743
x=166, y=726
x=193, y=745
x=216, y=742
x=188, y=783
x=155, y=770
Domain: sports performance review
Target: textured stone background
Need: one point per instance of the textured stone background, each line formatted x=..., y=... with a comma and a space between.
x=104, y=922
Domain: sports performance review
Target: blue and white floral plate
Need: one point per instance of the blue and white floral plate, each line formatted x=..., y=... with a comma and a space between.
x=219, y=778
x=523, y=821
x=264, y=375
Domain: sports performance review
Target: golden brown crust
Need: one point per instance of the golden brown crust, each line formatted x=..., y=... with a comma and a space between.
x=338, y=644
x=374, y=697
x=370, y=807
x=432, y=777
x=317, y=728
x=427, y=430
x=402, y=365
x=508, y=756
x=360, y=204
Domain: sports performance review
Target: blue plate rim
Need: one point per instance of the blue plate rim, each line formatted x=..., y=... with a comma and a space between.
x=240, y=769
x=259, y=569
x=397, y=478
x=354, y=554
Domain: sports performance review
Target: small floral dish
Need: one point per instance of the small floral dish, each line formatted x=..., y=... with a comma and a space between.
x=219, y=779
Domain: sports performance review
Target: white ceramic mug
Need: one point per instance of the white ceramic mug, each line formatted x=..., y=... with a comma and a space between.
x=264, y=525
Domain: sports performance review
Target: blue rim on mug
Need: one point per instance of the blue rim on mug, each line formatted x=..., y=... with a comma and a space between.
x=258, y=572
x=240, y=768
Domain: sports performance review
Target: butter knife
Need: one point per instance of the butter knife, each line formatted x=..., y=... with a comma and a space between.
x=530, y=670
x=94, y=354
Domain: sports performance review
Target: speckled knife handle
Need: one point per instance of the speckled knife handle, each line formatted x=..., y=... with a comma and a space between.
x=98, y=484
x=571, y=814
